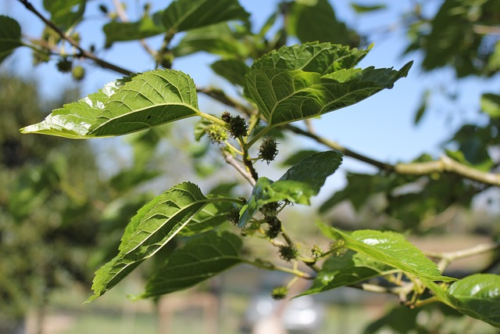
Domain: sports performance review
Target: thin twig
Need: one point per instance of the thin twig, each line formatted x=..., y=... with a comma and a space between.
x=122, y=14
x=230, y=160
x=447, y=257
x=446, y=164
x=338, y=147
x=82, y=52
x=486, y=30
x=220, y=96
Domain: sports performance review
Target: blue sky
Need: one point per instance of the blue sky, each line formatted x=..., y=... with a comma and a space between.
x=380, y=127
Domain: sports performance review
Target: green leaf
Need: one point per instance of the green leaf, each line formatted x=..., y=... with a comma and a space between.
x=149, y=99
x=422, y=108
x=211, y=216
x=152, y=228
x=362, y=9
x=184, y=15
x=218, y=39
x=200, y=259
x=301, y=82
x=316, y=21
x=65, y=13
x=389, y=248
x=297, y=185
x=10, y=36
x=490, y=104
x=268, y=24
x=401, y=319
x=322, y=58
x=297, y=157
x=147, y=26
x=349, y=268
x=477, y=296
x=232, y=70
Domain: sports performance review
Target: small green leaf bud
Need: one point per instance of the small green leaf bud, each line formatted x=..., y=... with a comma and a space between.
x=238, y=127
x=78, y=73
x=64, y=65
x=216, y=133
x=268, y=149
x=288, y=253
x=316, y=251
x=279, y=292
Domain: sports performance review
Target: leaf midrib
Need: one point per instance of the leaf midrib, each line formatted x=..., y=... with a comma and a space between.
x=188, y=13
x=163, y=224
x=321, y=110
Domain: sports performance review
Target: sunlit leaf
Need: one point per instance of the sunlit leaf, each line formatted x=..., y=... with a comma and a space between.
x=390, y=248
x=301, y=82
x=349, y=268
x=200, y=259
x=477, y=296
x=149, y=99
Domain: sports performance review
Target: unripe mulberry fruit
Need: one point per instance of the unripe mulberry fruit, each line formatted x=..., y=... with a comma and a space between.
x=216, y=133
x=279, y=292
x=268, y=149
x=64, y=65
x=78, y=73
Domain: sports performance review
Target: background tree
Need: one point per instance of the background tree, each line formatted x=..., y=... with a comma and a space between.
x=47, y=206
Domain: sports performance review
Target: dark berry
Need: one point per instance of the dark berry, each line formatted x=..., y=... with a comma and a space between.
x=64, y=65
x=268, y=149
x=288, y=253
x=270, y=209
x=226, y=117
x=233, y=215
x=238, y=127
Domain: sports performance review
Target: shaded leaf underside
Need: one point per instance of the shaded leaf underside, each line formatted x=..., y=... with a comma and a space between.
x=152, y=228
x=202, y=258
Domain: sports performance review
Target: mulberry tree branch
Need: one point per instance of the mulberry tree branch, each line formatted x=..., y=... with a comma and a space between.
x=82, y=52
